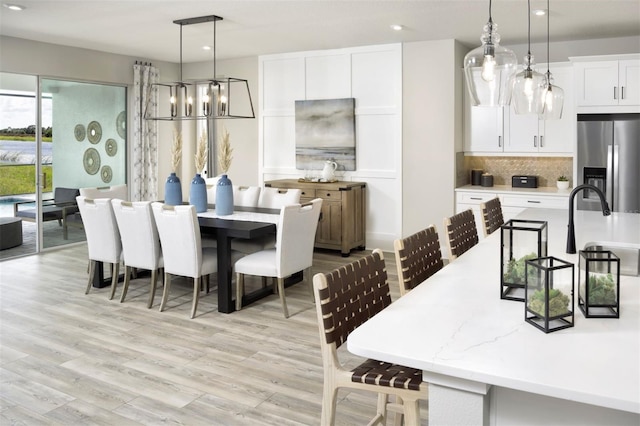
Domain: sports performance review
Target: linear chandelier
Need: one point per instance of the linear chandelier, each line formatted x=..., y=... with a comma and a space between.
x=489, y=69
x=202, y=99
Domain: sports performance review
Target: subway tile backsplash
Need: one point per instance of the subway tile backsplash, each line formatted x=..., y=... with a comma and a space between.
x=503, y=168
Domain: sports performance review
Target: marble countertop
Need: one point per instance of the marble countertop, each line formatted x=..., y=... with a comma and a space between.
x=455, y=324
x=505, y=189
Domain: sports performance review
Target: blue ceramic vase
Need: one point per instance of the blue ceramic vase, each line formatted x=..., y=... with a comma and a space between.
x=224, y=196
x=173, y=191
x=198, y=194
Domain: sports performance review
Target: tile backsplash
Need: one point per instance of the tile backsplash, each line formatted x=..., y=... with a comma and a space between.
x=503, y=168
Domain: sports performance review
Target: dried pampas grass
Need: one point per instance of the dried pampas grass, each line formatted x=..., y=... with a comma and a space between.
x=201, y=153
x=176, y=151
x=224, y=152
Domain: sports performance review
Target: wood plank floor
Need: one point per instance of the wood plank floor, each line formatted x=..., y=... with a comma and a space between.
x=68, y=358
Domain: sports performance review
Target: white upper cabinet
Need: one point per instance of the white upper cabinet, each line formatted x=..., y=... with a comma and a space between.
x=607, y=83
x=502, y=131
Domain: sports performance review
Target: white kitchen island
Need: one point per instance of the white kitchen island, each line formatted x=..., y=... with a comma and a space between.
x=485, y=365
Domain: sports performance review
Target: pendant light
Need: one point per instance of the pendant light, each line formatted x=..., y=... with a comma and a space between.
x=528, y=84
x=489, y=69
x=203, y=98
x=552, y=95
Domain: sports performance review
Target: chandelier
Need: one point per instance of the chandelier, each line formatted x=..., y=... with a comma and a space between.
x=202, y=99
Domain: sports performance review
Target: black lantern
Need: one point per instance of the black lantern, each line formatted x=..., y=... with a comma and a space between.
x=521, y=240
x=599, y=284
x=548, y=294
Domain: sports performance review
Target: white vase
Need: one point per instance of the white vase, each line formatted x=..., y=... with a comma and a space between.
x=562, y=184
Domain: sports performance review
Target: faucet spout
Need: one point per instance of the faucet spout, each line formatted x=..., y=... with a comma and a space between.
x=571, y=233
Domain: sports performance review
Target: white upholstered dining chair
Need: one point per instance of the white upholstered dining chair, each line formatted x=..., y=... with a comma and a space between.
x=140, y=241
x=115, y=191
x=103, y=237
x=246, y=196
x=295, y=235
x=182, y=249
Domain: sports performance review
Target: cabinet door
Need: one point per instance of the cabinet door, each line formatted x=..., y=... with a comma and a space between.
x=629, y=81
x=523, y=132
x=330, y=225
x=596, y=83
x=558, y=135
x=484, y=129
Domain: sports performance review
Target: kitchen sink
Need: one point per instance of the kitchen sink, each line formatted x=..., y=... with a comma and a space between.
x=629, y=255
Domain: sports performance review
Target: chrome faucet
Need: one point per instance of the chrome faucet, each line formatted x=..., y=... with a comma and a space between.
x=571, y=234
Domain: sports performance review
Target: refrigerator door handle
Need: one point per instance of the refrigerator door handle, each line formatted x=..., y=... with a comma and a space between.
x=615, y=184
x=609, y=177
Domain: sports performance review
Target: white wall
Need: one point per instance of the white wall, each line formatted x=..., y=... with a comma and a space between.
x=432, y=124
x=373, y=76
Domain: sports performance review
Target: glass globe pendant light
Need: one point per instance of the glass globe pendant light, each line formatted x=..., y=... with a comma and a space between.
x=552, y=95
x=489, y=69
x=528, y=84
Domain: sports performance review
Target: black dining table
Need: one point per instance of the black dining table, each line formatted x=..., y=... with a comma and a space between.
x=225, y=230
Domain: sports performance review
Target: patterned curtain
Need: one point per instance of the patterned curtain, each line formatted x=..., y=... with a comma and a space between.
x=145, y=134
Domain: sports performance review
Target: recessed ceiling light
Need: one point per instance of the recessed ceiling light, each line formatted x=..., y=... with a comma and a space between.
x=206, y=47
x=396, y=27
x=540, y=12
x=14, y=6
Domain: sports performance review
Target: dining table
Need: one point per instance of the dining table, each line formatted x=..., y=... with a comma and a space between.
x=485, y=365
x=245, y=223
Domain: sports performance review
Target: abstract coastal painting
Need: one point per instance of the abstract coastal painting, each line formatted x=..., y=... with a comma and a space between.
x=325, y=131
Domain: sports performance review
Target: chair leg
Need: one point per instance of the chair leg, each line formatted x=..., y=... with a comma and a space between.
x=154, y=279
x=127, y=279
x=165, y=292
x=92, y=271
x=329, y=395
x=114, y=279
x=399, y=415
x=196, y=294
x=239, y=290
x=381, y=410
x=282, y=297
x=309, y=279
x=411, y=412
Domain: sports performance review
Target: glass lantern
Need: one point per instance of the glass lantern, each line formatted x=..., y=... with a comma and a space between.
x=599, y=284
x=521, y=240
x=549, y=294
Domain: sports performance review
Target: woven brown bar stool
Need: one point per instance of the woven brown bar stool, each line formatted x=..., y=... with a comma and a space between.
x=345, y=299
x=462, y=233
x=492, y=218
x=418, y=256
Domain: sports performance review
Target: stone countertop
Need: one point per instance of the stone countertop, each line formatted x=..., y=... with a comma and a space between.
x=456, y=325
x=505, y=189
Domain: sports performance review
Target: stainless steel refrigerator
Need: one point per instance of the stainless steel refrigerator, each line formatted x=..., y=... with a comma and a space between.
x=609, y=158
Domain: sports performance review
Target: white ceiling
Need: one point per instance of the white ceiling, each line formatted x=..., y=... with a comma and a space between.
x=145, y=29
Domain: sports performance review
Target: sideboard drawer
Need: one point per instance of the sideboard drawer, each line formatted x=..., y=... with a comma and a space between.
x=328, y=194
x=308, y=193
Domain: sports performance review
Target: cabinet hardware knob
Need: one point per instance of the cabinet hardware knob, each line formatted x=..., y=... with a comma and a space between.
x=615, y=92
x=622, y=90
x=500, y=141
x=541, y=141
x=533, y=202
x=535, y=141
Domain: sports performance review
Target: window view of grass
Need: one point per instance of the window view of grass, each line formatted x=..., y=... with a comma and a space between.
x=20, y=179
x=17, y=165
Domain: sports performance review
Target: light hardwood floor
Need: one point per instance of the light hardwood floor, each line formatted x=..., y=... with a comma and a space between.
x=68, y=358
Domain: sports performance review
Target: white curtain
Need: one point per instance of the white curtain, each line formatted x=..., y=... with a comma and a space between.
x=144, y=182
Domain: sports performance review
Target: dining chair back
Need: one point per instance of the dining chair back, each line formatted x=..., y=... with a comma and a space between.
x=182, y=250
x=275, y=198
x=492, y=218
x=295, y=235
x=346, y=298
x=418, y=256
x=462, y=233
x=211, y=184
x=246, y=196
x=103, y=237
x=115, y=191
x=140, y=241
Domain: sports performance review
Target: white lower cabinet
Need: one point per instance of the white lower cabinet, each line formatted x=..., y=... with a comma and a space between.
x=512, y=203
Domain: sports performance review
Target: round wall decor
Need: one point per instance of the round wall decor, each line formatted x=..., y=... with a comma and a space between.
x=79, y=132
x=111, y=147
x=91, y=161
x=106, y=173
x=94, y=132
x=121, y=124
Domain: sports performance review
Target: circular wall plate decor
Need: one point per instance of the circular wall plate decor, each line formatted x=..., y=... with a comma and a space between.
x=94, y=132
x=111, y=147
x=106, y=173
x=121, y=124
x=79, y=132
x=91, y=161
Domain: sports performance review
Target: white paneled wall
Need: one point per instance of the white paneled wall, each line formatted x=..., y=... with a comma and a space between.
x=373, y=76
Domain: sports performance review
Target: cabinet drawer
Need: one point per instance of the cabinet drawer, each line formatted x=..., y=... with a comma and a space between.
x=535, y=201
x=308, y=193
x=328, y=195
x=473, y=197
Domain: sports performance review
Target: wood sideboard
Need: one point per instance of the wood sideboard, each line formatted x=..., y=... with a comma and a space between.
x=342, y=223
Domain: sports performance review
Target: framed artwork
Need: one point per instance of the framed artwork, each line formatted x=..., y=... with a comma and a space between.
x=325, y=131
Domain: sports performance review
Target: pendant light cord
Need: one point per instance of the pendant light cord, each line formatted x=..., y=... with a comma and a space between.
x=180, y=52
x=490, y=20
x=548, y=54
x=214, y=50
x=529, y=29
